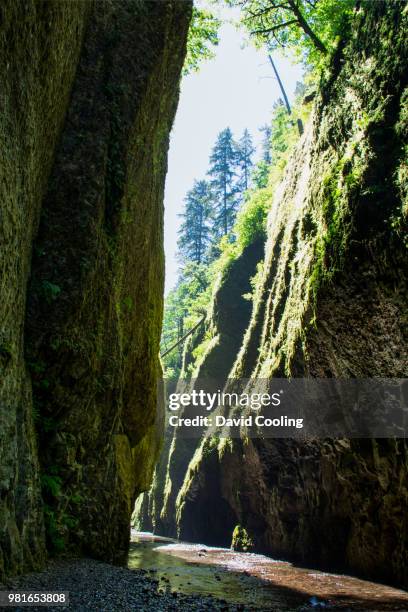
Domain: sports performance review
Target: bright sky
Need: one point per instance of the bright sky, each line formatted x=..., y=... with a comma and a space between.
x=236, y=89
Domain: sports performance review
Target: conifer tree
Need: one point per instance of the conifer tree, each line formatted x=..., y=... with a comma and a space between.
x=266, y=143
x=223, y=174
x=261, y=171
x=245, y=151
x=195, y=233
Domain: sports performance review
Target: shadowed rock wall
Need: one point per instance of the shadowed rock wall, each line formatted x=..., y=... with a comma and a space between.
x=89, y=92
x=38, y=65
x=227, y=321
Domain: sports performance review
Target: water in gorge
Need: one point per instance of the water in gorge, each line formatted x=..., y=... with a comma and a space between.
x=257, y=581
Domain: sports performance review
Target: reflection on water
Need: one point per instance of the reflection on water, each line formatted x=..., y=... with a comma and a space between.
x=181, y=572
x=254, y=580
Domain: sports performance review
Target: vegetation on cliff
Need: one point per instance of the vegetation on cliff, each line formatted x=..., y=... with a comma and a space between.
x=292, y=265
x=223, y=216
x=333, y=282
x=224, y=290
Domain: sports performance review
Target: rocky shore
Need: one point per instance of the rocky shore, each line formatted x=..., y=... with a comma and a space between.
x=101, y=587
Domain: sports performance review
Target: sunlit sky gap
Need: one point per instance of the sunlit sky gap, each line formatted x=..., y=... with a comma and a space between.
x=236, y=89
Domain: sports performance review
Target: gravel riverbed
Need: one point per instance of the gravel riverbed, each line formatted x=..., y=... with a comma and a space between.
x=100, y=587
x=93, y=585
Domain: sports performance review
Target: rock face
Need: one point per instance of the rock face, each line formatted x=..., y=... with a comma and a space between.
x=332, y=304
x=89, y=92
x=225, y=326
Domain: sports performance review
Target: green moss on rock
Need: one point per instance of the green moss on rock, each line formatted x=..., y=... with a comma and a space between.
x=100, y=241
x=220, y=340
x=39, y=49
x=89, y=94
x=241, y=541
x=332, y=303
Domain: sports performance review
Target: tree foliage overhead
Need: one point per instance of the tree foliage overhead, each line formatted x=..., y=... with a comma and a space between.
x=202, y=38
x=309, y=28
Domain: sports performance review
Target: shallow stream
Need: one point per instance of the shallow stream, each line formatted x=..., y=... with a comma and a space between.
x=255, y=580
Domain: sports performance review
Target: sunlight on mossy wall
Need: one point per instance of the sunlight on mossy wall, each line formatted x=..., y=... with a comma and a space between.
x=331, y=302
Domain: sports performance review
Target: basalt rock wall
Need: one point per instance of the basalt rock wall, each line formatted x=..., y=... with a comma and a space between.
x=89, y=91
x=224, y=328
x=332, y=304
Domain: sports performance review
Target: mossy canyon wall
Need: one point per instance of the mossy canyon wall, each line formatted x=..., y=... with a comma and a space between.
x=89, y=92
x=223, y=329
x=332, y=302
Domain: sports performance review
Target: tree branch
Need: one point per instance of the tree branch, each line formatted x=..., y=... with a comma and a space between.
x=190, y=331
x=274, y=28
x=268, y=9
x=306, y=27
